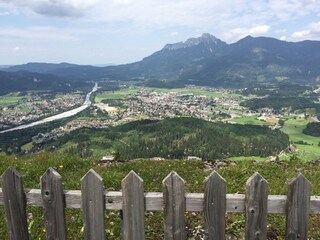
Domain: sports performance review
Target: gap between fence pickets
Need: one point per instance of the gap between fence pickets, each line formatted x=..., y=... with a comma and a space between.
x=154, y=201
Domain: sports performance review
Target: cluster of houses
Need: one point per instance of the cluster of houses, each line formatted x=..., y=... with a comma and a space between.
x=35, y=107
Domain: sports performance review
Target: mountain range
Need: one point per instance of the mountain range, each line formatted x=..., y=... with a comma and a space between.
x=206, y=60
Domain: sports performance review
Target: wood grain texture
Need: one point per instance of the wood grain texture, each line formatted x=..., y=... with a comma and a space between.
x=256, y=207
x=174, y=207
x=92, y=193
x=133, y=207
x=298, y=205
x=154, y=201
x=214, y=207
x=15, y=204
x=54, y=205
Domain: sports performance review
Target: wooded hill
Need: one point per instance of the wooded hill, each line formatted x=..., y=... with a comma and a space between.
x=178, y=138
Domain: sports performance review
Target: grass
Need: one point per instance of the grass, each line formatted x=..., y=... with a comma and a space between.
x=249, y=120
x=27, y=146
x=196, y=91
x=121, y=94
x=294, y=128
x=10, y=99
x=153, y=172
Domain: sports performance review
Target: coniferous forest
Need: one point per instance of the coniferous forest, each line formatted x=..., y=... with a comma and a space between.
x=178, y=138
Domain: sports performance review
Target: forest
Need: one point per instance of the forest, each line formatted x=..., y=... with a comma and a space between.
x=278, y=103
x=312, y=129
x=176, y=138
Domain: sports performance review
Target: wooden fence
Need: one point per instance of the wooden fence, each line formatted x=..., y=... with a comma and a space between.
x=133, y=201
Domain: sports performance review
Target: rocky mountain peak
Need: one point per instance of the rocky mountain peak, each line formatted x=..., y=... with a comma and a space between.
x=205, y=38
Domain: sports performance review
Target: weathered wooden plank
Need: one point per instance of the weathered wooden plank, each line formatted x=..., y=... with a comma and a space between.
x=133, y=207
x=15, y=204
x=214, y=207
x=54, y=205
x=92, y=192
x=174, y=207
x=298, y=205
x=256, y=207
x=154, y=201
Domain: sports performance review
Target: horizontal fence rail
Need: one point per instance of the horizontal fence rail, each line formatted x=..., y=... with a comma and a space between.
x=297, y=205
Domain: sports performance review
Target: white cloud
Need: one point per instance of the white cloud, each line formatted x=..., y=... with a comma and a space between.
x=237, y=33
x=174, y=34
x=283, y=38
x=311, y=32
x=57, y=8
x=38, y=34
x=4, y=13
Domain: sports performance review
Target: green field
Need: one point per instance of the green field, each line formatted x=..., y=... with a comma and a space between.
x=294, y=128
x=249, y=120
x=196, y=91
x=121, y=94
x=10, y=99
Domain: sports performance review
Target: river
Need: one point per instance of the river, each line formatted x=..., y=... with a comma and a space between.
x=69, y=113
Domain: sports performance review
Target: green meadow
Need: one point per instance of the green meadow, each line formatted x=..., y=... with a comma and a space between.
x=119, y=94
x=10, y=99
x=310, y=150
x=196, y=91
x=249, y=120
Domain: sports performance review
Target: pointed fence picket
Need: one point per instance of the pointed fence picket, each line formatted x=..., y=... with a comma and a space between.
x=92, y=203
x=53, y=204
x=133, y=201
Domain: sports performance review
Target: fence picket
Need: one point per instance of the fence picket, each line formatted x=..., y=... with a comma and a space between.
x=15, y=204
x=54, y=204
x=133, y=207
x=298, y=206
x=174, y=207
x=133, y=202
x=214, y=206
x=256, y=207
x=92, y=196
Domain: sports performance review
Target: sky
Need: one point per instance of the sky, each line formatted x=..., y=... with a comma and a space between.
x=123, y=31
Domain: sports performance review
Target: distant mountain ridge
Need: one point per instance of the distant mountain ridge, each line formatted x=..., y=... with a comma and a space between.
x=24, y=81
x=207, y=60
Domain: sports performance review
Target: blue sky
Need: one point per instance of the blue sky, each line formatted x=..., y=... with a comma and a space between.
x=123, y=31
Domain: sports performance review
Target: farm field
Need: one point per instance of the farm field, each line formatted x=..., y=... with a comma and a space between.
x=308, y=151
x=197, y=91
x=120, y=94
x=249, y=120
x=10, y=99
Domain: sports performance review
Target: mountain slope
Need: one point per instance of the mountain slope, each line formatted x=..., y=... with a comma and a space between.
x=23, y=80
x=63, y=70
x=209, y=61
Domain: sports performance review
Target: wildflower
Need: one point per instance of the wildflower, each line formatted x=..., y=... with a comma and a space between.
x=72, y=218
x=61, y=166
x=44, y=230
x=82, y=230
x=194, y=214
x=30, y=216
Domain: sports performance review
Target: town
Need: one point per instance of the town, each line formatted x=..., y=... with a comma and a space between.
x=210, y=104
x=35, y=106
